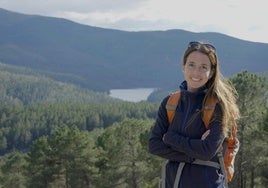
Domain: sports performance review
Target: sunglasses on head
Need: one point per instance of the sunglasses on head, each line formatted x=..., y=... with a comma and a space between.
x=197, y=45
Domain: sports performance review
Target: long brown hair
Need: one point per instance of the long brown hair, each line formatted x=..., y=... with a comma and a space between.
x=217, y=85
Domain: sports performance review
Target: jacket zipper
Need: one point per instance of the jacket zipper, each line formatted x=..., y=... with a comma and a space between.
x=192, y=119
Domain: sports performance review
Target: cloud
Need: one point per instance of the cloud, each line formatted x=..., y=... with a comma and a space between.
x=52, y=6
x=239, y=18
x=149, y=15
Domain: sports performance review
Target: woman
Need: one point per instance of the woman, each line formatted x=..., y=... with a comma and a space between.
x=185, y=141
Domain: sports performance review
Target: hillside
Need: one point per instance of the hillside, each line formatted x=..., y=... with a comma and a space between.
x=20, y=86
x=102, y=59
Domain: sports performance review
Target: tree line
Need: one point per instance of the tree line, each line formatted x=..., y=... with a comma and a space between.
x=24, y=87
x=21, y=125
x=105, y=145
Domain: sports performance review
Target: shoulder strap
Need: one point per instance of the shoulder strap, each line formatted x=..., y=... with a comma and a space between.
x=207, y=110
x=172, y=104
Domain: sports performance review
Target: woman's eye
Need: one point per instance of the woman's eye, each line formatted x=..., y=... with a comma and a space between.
x=204, y=68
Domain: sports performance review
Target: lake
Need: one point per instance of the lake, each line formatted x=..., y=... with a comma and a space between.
x=131, y=95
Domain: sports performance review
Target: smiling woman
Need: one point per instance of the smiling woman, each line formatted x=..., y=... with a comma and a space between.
x=131, y=95
x=189, y=138
x=197, y=70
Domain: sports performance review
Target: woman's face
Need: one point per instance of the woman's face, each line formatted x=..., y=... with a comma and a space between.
x=197, y=70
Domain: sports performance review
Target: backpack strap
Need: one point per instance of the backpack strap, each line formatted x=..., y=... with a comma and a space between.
x=207, y=109
x=172, y=104
x=162, y=180
x=223, y=168
x=178, y=175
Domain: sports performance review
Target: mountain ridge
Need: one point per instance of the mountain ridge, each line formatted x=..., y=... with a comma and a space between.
x=102, y=59
x=23, y=86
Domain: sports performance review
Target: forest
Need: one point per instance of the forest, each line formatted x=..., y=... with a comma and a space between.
x=99, y=145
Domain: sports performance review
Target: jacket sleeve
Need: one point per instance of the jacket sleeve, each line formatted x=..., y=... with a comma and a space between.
x=197, y=148
x=156, y=144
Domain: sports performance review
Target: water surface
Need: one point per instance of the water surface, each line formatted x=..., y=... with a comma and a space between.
x=132, y=95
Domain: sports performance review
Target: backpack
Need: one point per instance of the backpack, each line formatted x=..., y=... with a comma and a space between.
x=230, y=145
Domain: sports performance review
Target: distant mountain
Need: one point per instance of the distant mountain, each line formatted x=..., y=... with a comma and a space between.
x=101, y=59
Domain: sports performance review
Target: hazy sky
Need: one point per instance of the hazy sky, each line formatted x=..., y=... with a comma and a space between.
x=244, y=19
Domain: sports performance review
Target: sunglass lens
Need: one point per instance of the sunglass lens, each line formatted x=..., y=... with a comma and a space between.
x=196, y=44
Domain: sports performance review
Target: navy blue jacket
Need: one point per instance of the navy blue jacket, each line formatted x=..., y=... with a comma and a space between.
x=182, y=142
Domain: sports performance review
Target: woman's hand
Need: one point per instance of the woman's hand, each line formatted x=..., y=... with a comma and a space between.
x=204, y=136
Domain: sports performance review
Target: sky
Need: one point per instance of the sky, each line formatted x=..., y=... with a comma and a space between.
x=243, y=19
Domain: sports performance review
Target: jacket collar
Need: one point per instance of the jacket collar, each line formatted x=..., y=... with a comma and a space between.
x=183, y=87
